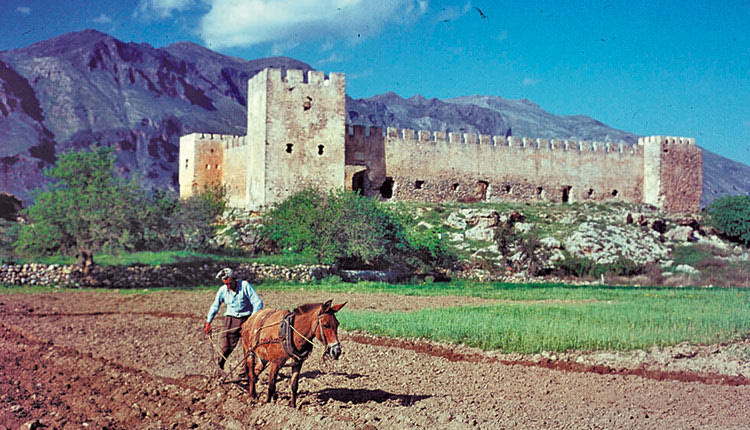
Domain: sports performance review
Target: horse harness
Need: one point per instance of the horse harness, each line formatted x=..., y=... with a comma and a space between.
x=286, y=337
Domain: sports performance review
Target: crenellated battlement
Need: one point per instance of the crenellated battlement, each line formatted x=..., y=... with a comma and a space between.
x=235, y=141
x=295, y=77
x=215, y=136
x=407, y=136
x=669, y=140
x=298, y=137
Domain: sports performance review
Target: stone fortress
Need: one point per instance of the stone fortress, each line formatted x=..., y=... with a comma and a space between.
x=297, y=137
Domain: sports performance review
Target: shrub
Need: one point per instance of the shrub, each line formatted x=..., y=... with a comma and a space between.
x=9, y=231
x=349, y=230
x=584, y=267
x=88, y=209
x=730, y=215
x=195, y=216
x=532, y=253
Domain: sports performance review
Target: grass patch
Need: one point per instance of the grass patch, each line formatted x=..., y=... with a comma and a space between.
x=150, y=258
x=635, y=319
x=538, y=317
x=564, y=317
x=692, y=255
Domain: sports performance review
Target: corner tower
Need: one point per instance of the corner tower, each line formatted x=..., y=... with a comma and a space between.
x=201, y=157
x=672, y=173
x=295, y=134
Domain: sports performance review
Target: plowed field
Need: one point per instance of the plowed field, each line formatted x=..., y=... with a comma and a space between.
x=89, y=359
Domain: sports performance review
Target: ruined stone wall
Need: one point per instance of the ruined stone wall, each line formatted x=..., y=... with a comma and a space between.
x=365, y=159
x=201, y=158
x=235, y=169
x=425, y=166
x=673, y=173
x=305, y=127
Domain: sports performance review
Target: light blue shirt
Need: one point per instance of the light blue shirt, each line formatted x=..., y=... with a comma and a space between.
x=242, y=303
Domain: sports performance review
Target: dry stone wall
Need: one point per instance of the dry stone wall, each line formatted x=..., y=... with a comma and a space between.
x=176, y=275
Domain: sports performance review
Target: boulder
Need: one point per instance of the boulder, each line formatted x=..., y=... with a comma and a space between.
x=550, y=242
x=10, y=207
x=481, y=232
x=606, y=243
x=689, y=270
x=680, y=234
x=456, y=220
x=486, y=217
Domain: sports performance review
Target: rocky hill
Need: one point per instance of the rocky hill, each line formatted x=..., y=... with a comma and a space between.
x=87, y=86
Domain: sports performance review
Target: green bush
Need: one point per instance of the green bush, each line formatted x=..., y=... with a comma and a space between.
x=9, y=231
x=730, y=215
x=349, y=230
x=86, y=209
x=89, y=209
x=584, y=267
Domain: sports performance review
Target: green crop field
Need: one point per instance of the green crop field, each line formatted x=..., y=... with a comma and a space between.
x=533, y=318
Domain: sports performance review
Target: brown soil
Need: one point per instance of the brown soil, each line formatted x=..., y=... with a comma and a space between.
x=107, y=360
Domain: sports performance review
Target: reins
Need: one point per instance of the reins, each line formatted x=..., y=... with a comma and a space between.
x=323, y=333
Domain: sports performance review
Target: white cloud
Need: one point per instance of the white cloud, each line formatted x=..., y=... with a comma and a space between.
x=235, y=23
x=282, y=47
x=161, y=9
x=102, y=19
x=24, y=10
x=527, y=81
x=362, y=74
x=333, y=58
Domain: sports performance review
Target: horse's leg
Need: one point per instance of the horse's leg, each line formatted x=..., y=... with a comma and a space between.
x=251, y=375
x=273, y=371
x=295, y=380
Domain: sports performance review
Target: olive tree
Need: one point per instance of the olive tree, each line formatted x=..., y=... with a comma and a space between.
x=85, y=209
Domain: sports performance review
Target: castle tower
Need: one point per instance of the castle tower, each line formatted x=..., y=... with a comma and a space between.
x=201, y=158
x=672, y=173
x=295, y=134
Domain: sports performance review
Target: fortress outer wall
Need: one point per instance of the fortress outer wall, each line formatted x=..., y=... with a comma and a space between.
x=435, y=167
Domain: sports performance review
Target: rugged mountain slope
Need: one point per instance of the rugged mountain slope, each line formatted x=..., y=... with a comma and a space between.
x=526, y=118
x=723, y=177
x=86, y=87
x=419, y=113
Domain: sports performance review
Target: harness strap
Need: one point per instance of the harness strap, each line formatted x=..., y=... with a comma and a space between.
x=287, y=339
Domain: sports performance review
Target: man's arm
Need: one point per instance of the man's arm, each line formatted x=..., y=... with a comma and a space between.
x=255, y=299
x=214, y=306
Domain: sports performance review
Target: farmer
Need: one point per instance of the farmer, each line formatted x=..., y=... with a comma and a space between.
x=242, y=301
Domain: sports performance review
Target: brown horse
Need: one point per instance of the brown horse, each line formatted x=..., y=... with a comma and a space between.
x=274, y=336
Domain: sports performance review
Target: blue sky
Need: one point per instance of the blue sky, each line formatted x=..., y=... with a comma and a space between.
x=648, y=67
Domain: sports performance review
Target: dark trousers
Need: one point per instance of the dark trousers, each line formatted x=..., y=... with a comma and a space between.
x=229, y=339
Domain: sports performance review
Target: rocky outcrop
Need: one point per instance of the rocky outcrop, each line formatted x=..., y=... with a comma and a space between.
x=605, y=244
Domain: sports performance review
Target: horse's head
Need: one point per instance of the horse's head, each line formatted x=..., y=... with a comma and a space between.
x=328, y=332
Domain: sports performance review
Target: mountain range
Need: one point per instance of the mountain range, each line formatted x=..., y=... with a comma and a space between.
x=84, y=87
